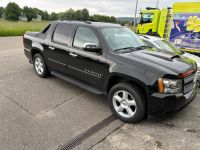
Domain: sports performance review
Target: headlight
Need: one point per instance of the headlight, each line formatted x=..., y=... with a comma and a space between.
x=169, y=86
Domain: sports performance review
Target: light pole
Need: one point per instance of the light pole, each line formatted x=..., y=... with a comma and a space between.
x=157, y=3
x=136, y=5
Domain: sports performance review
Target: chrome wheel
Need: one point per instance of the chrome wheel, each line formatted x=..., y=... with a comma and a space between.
x=39, y=65
x=124, y=104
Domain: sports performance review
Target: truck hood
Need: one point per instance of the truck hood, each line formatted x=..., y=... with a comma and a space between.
x=163, y=59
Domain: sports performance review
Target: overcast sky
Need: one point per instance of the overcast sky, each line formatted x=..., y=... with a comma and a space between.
x=117, y=8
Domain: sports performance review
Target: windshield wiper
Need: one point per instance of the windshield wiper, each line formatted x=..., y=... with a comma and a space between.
x=130, y=49
x=142, y=47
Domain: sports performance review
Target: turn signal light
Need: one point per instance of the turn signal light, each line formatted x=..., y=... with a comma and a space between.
x=160, y=85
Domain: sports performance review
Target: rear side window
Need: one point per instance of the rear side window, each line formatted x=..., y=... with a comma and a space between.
x=62, y=34
x=84, y=35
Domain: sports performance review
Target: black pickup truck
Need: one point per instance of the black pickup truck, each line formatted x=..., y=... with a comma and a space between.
x=110, y=59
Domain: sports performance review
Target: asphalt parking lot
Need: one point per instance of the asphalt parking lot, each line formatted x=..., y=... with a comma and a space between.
x=45, y=114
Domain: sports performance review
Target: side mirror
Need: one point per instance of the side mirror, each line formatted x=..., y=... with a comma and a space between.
x=91, y=47
x=141, y=21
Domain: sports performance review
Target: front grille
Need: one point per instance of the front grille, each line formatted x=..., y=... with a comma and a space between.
x=190, y=82
x=189, y=79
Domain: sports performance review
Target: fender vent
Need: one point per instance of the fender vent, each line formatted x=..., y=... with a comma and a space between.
x=175, y=56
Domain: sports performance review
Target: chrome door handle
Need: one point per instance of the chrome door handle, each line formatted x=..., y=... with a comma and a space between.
x=52, y=48
x=73, y=54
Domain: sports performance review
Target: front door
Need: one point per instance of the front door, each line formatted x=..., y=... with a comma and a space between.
x=89, y=67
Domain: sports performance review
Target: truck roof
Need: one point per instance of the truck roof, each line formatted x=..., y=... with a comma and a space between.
x=89, y=23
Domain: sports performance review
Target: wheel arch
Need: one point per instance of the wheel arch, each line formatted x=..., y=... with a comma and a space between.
x=34, y=51
x=118, y=77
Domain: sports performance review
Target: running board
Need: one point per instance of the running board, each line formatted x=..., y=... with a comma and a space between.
x=77, y=83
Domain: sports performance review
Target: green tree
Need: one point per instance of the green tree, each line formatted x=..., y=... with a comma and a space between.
x=85, y=14
x=91, y=18
x=103, y=18
x=78, y=15
x=61, y=16
x=69, y=14
x=12, y=12
x=37, y=11
x=113, y=19
x=30, y=13
x=1, y=11
x=81, y=14
x=53, y=16
x=44, y=15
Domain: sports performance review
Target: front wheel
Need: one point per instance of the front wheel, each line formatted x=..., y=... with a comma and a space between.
x=127, y=102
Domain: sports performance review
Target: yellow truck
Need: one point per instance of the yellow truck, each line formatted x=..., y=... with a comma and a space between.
x=180, y=25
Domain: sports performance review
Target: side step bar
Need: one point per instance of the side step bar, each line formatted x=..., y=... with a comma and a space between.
x=77, y=83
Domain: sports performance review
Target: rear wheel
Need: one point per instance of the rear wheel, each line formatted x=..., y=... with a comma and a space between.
x=40, y=66
x=127, y=102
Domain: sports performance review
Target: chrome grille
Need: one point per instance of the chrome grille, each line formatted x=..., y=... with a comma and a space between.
x=190, y=82
x=189, y=79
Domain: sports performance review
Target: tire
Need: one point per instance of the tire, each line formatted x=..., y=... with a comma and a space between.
x=135, y=101
x=40, y=66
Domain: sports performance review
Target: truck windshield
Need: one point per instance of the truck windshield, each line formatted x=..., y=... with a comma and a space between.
x=147, y=18
x=165, y=45
x=121, y=38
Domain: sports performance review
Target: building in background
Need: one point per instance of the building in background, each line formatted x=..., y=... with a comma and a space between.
x=39, y=18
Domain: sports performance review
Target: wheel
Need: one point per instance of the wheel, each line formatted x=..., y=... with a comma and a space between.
x=127, y=103
x=40, y=66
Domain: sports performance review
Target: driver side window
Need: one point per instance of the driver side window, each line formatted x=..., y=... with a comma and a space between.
x=84, y=35
x=147, y=18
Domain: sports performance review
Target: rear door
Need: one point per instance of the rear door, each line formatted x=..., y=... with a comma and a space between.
x=57, y=50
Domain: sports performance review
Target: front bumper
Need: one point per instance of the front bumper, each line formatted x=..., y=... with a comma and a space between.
x=159, y=104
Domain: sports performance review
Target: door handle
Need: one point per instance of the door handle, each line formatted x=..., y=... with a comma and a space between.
x=73, y=54
x=52, y=48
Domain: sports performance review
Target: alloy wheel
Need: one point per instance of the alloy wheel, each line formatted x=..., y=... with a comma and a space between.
x=39, y=65
x=124, y=104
